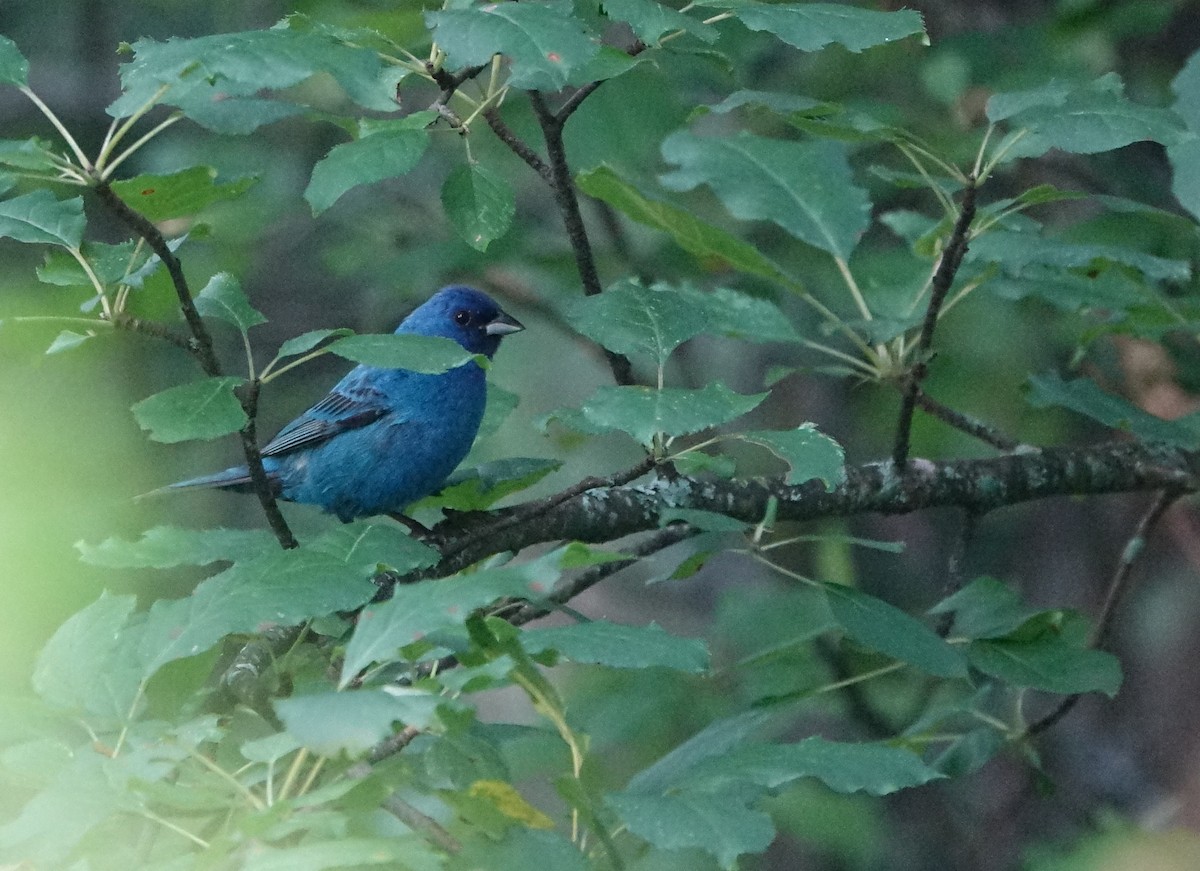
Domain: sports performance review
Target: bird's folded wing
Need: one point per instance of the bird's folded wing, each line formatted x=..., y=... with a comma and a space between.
x=346, y=407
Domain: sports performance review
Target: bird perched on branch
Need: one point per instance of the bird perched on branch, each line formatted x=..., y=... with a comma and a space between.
x=384, y=438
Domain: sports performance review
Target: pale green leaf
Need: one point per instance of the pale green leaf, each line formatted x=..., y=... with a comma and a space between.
x=179, y=194
x=619, y=646
x=716, y=248
x=38, y=217
x=479, y=487
x=426, y=354
x=33, y=154
x=279, y=588
x=202, y=409
x=164, y=547
x=644, y=412
x=875, y=624
x=223, y=298
x=544, y=41
x=812, y=26
x=364, y=546
x=305, y=342
x=719, y=825
x=650, y=19
x=873, y=768
x=14, y=69
x=67, y=340
x=1082, y=119
x=808, y=453
x=805, y=187
x=87, y=666
x=352, y=722
x=631, y=319
x=1084, y=396
x=384, y=149
x=479, y=203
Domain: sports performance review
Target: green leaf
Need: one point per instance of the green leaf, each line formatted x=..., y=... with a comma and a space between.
x=714, y=741
x=354, y=721
x=618, y=646
x=650, y=20
x=38, y=217
x=201, y=409
x=218, y=80
x=86, y=666
x=305, y=342
x=430, y=355
x=710, y=244
x=985, y=608
x=419, y=610
x=1081, y=119
x=479, y=487
x=223, y=298
x=1047, y=663
x=719, y=825
x=280, y=588
x=644, y=412
x=31, y=154
x=805, y=187
x=812, y=26
x=479, y=203
x=165, y=547
x=1084, y=396
x=808, y=453
x=365, y=546
x=1018, y=252
x=875, y=624
x=179, y=194
x=631, y=319
x=741, y=316
x=780, y=103
x=873, y=768
x=14, y=69
x=543, y=41
x=384, y=149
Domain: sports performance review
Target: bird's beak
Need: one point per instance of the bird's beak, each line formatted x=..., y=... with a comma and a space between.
x=503, y=324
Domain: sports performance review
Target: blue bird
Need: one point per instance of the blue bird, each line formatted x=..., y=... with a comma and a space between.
x=384, y=438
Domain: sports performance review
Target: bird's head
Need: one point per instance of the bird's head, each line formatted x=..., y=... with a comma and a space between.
x=468, y=316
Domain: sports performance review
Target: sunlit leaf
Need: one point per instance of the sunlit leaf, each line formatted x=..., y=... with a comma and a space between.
x=812, y=26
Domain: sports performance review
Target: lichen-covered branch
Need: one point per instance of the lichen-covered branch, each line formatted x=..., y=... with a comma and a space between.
x=977, y=485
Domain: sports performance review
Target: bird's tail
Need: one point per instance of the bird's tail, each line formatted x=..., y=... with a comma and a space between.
x=235, y=478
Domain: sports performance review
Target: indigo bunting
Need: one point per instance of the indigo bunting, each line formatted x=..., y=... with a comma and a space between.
x=384, y=438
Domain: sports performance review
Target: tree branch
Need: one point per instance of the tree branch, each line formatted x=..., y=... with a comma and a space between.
x=978, y=485
x=943, y=278
x=201, y=347
x=517, y=145
x=1116, y=592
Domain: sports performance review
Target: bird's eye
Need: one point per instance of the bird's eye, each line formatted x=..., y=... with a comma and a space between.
x=462, y=317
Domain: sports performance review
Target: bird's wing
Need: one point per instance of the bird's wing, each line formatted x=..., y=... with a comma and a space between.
x=348, y=406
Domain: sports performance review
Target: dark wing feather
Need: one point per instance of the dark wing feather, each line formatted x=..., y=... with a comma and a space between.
x=346, y=407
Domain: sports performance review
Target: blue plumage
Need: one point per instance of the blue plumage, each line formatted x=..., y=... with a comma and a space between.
x=384, y=438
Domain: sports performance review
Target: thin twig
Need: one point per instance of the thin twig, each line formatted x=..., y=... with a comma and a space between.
x=947, y=269
x=517, y=145
x=202, y=349
x=965, y=423
x=568, y=206
x=1116, y=592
